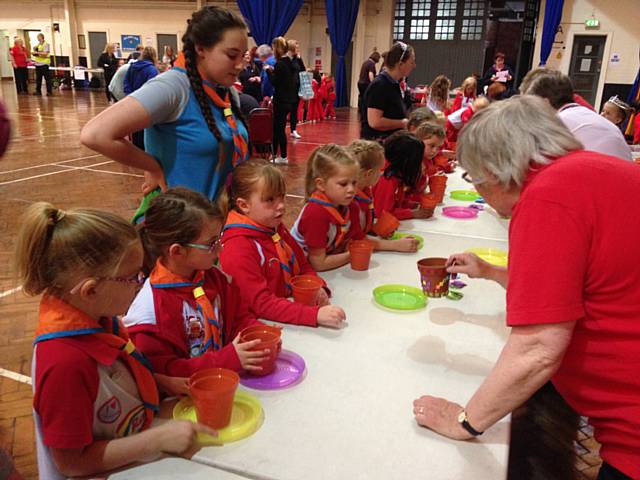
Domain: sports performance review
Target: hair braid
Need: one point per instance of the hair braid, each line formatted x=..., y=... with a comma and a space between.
x=198, y=89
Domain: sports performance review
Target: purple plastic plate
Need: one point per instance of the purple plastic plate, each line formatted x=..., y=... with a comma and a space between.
x=289, y=370
x=460, y=212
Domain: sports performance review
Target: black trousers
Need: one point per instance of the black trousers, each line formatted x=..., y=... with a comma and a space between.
x=107, y=81
x=362, y=87
x=293, y=118
x=20, y=74
x=42, y=71
x=280, y=112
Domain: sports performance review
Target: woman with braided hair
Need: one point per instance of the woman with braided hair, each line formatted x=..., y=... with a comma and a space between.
x=194, y=132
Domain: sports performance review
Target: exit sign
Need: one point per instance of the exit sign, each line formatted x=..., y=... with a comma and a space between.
x=592, y=23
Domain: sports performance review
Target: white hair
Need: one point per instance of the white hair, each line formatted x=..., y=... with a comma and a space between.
x=264, y=50
x=505, y=139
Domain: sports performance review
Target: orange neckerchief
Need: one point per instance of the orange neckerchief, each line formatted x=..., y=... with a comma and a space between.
x=288, y=261
x=58, y=319
x=322, y=199
x=162, y=277
x=240, y=146
x=365, y=197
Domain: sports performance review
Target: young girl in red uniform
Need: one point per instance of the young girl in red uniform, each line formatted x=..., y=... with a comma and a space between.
x=94, y=393
x=188, y=314
x=370, y=158
x=329, y=219
x=261, y=255
x=330, y=96
x=404, y=153
x=315, y=113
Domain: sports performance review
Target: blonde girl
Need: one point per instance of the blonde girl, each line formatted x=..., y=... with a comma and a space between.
x=439, y=96
x=329, y=219
x=466, y=94
x=94, y=394
x=261, y=255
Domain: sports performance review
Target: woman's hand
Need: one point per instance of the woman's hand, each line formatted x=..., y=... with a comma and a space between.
x=250, y=360
x=441, y=416
x=469, y=264
x=153, y=180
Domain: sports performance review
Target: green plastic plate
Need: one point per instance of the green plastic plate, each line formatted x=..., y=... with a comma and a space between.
x=399, y=297
x=465, y=195
x=398, y=235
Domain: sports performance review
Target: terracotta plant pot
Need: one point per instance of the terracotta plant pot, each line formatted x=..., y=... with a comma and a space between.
x=434, y=277
x=361, y=251
x=386, y=225
x=306, y=288
x=212, y=392
x=269, y=339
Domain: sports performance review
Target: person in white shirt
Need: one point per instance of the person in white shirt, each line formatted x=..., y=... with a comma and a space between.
x=595, y=132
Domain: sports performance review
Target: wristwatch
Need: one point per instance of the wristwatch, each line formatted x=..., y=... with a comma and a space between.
x=463, y=420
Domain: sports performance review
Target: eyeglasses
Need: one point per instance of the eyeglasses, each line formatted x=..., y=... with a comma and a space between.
x=467, y=178
x=136, y=279
x=209, y=247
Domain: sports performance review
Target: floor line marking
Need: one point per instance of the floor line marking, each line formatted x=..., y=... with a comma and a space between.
x=65, y=169
x=49, y=164
x=15, y=376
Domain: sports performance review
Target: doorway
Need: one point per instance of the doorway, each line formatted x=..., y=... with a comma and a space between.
x=586, y=64
x=166, y=40
x=97, y=41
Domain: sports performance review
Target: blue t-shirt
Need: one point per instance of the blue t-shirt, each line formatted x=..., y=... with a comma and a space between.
x=179, y=137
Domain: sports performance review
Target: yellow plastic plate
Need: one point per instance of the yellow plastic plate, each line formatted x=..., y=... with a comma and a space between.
x=496, y=257
x=246, y=419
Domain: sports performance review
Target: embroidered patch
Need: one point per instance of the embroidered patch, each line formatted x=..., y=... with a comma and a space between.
x=132, y=422
x=110, y=410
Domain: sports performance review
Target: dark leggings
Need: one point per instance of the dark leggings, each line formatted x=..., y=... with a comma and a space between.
x=293, y=118
x=42, y=71
x=20, y=74
x=280, y=112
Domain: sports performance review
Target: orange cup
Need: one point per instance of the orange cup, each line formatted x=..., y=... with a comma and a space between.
x=269, y=339
x=428, y=201
x=212, y=391
x=386, y=225
x=306, y=288
x=437, y=180
x=360, y=251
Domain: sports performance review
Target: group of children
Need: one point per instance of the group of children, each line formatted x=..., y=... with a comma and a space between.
x=99, y=376
x=320, y=107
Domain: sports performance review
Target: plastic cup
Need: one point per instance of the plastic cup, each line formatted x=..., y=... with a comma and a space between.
x=361, y=251
x=428, y=201
x=434, y=277
x=212, y=392
x=438, y=191
x=437, y=180
x=386, y=225
x=306, y=288
x=269, y=339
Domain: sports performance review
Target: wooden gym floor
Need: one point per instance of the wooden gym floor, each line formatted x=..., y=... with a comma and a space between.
x=45, y=162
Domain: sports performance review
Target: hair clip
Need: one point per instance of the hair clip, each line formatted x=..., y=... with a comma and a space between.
x=619, y=103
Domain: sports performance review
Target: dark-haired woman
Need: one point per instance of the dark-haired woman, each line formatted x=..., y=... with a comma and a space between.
x=383, y=106
x=194, y=130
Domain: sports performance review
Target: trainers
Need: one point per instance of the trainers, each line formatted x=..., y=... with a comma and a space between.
x=281, y=160
x=295, y=134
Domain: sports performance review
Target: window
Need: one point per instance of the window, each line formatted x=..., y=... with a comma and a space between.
x=399, y=19
x=445, y=20
x=473, y=8
x=420, y=22
x=472, y=20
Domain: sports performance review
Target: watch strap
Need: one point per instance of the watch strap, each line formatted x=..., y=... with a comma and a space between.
x=467, y=426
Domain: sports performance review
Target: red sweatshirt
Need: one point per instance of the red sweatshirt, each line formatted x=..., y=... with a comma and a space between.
x=389, y=195
x=250, y=257
x=165, y=324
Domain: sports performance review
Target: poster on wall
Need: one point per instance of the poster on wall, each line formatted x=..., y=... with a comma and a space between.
x=130, y=42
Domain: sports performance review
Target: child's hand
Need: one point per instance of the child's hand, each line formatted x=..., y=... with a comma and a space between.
x=249, y=360
x=323, y=298
x=406, y=244
x=179, y=436
x=423, y=213
x=173, y=386
x=331, y=316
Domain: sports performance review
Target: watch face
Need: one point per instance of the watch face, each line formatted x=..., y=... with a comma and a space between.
x=462, y=416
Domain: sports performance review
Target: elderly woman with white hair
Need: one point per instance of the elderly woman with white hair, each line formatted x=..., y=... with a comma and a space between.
x=573, y=280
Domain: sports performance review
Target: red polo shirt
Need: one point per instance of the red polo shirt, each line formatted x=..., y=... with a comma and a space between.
x=574, y=254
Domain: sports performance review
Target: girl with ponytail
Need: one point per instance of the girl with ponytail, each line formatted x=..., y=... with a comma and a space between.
x=195, y=134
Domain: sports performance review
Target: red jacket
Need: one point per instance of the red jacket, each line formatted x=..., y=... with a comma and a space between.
x=457, y=102
x=159, y=323
x=250, y=257
x=389, y=195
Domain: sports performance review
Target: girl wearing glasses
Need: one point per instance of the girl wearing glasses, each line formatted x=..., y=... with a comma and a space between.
x=188, y=313
x=94, y=394
x=384, y=107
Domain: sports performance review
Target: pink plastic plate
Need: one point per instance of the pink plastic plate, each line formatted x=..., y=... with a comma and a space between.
x=289, y=370
x=463, y=213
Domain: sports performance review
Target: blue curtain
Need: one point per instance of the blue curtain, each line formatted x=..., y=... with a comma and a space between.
x=269, y=19
x=341, y=19
x=552, y=17
x=634, y=96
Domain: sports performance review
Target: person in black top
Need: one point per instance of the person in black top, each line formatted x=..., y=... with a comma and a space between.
x=298, y=66
x=250, y=76
x=501, y=73
x=367, y=74
x=109, y=63
x=285, y=96
x=383, y=103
